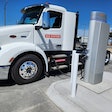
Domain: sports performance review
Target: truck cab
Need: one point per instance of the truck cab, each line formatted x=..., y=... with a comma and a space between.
x=52, y=24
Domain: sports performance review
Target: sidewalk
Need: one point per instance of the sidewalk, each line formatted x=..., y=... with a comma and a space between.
x=89, y=98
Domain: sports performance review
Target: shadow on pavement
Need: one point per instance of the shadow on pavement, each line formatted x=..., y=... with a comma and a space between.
x=58, y=72
x=6, y=83
x=10, y=82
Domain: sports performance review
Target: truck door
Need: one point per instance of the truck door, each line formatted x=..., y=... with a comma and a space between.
x=52, y=37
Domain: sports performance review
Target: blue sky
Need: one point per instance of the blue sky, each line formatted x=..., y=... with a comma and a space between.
x=83, y=6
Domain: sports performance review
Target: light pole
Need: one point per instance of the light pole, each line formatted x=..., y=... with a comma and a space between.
x=5, y=5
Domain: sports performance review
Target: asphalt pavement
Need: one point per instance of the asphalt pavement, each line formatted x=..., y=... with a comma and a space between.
x=32, y=97
x=28, y=98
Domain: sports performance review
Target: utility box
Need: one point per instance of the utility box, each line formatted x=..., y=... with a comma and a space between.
x=97, y=44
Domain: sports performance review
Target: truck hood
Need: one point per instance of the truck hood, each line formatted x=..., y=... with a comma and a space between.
x=16, y=33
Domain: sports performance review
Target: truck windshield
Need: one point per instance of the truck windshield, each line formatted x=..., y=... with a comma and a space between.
x=31, y=15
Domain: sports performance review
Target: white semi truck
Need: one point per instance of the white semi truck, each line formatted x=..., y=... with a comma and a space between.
x=43, y=40
x=28, y=50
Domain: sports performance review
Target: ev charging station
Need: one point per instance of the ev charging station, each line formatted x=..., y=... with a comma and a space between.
x=97, y=44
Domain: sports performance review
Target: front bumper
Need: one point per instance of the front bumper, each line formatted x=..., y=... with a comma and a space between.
x=4, y=70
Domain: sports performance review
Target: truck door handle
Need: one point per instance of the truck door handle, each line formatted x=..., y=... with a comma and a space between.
x=23, y=36
x=59, y=45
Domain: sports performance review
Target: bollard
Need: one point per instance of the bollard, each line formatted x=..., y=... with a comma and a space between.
x=74, y=69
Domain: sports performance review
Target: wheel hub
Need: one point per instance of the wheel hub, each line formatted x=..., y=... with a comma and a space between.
x=28, y=70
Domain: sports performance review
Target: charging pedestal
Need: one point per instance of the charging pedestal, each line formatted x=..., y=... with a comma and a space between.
x=97, y=44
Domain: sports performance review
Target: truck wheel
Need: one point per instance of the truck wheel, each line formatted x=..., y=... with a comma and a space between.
x=27, y=69
x=107, y=59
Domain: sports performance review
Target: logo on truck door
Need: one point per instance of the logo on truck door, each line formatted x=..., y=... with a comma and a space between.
x=52, y=36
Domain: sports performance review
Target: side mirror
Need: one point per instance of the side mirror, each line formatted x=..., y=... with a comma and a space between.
x=46, y=20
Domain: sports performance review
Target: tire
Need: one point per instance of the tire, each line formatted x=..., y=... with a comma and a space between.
x=107, y=59
x=26, y=69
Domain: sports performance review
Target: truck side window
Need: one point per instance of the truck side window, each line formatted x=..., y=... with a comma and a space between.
x=55, y=19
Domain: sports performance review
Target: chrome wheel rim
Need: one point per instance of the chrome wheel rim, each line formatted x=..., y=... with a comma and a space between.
x=28, y=69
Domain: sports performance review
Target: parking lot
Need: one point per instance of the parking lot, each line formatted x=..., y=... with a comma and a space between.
x=31, y=97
